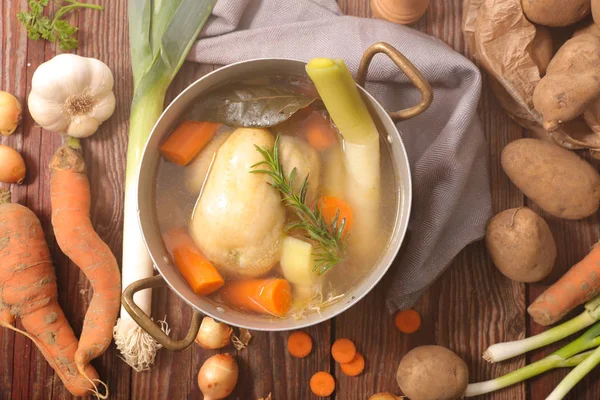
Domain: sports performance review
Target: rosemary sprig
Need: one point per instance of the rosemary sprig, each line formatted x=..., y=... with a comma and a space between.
x=327, y=236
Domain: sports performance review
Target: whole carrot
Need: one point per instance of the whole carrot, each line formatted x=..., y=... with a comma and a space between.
x=70, y=198
x=28, y=291
x=580, y=284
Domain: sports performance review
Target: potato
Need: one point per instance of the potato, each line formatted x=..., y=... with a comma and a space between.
x=541, y=49
x=432, y=373
x=521, y=245
x=556, y=13
x=556, y=179
x=596, y=11
x=572, y=81
x=590, y=27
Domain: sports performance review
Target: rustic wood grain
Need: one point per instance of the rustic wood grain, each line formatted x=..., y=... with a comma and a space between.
x=470, y=307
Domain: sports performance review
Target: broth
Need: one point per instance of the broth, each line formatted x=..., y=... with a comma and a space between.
x=178, y=189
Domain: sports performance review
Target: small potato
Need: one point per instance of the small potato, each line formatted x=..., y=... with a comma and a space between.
x=521, y=245
x=432, y=373
x=596, y=11
x=555, y=13
x=556, y=179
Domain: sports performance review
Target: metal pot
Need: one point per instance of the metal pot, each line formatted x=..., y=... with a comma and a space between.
x=147, y=211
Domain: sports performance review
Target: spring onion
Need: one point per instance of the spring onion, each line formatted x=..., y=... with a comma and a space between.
x=590, y=362
x=361, y=145
x=504, y=351
x=567, y=356
x=161, y=34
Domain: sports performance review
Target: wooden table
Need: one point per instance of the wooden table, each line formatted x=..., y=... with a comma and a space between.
x=470, y=307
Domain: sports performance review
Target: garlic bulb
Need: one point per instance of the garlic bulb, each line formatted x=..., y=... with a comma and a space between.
x=72, y=94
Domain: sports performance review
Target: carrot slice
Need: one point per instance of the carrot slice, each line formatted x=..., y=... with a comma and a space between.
x=343, y=350
x=198, y=272
x=354, y=367
x=186, y=141
x=331, y=205
x=322, y=384
x=266, y=296
x=407, y=321
x=319, y=132
x=299, y=344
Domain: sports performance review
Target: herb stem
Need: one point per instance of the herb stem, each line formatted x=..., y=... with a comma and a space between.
x=73, y=5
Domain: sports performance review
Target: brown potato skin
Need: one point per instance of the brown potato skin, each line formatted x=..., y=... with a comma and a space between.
x=542, y=49
x=572, y=81
x=521, y=245
x=556, y=179
x=432, y=373
x=556, y=13
x=596, y=11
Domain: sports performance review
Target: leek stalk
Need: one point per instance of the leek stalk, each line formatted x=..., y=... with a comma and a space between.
x=161, y=34
x=361, y=147
x=504, y=351
x=567, y=356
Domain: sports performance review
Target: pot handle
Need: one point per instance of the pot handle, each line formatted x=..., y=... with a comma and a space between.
x=409, y=70
x=150, y=326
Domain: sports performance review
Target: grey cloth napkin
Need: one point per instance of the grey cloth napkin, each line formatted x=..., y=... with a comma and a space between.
x=446, y=145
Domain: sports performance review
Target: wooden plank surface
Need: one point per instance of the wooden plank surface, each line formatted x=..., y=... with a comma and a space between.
x=470, y=307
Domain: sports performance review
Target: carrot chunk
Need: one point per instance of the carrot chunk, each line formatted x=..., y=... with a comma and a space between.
x=186, y=141
x=266, y=296
x=198, y=272
x=343, y=350
x=330, y=206
x=354, y=367
x=322, y=384
x=319, y=132
x=299, y=344
x=407, y=321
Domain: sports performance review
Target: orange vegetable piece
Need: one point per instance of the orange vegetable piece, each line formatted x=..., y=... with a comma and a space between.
x=407, y=321
x=198, y=272
x=299, y=344
x=29, y=292
x=577, y=286
x=343, y=350
x=354, y=367
x=70, y=197
x=322, y=384
x=329, y=208
x=186, y=141
x=270, y=296
x=319, y=132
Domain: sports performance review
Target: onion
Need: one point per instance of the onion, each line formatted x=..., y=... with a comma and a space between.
x=10, y=113
x=12, y=165
x=384, y=396
x=218, y=376
x=213, y=335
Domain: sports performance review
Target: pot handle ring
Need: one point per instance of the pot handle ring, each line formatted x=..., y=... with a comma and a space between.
x=148, y=324
x=409, y=70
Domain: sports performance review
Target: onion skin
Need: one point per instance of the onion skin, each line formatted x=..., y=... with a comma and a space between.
x=10, y=113
x=218, y=376
x=12, y=165
x=213, y=335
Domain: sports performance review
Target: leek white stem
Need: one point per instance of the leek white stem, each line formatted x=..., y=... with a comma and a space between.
x=576, y=375
x=567, y=356
x=504, y=351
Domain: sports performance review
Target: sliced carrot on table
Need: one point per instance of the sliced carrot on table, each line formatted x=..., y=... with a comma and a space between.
x=299, y=344
x=343, y=350
x=354, y=367
x=331, y=206
x=198, y=272
x=407, y=321
x=270, y=296
x=319, y=132
x=186, y=141
x=322, y=384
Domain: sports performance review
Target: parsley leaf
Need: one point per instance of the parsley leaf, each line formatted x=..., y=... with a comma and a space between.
x=40, y=26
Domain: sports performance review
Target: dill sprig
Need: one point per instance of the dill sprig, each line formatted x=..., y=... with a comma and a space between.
x=327, y=236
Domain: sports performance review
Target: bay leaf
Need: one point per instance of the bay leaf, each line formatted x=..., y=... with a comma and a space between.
x=247, y=105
